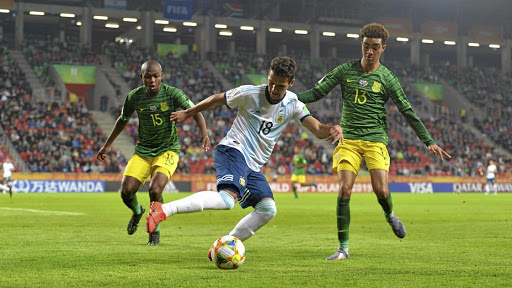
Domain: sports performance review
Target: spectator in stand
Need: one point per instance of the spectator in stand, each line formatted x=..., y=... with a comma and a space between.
x=104, y=103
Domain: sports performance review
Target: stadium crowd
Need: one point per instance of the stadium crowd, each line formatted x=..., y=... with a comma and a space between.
x=41, y=51
x=52, y=137
x=491, y=91
x=56, y=137
x=49, y=137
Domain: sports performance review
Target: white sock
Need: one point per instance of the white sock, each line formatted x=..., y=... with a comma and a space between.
x=262, y=214
x=487, y=189
x=204, y=200
x=4, y=187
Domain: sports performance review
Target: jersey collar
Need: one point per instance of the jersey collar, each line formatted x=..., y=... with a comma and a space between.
x=269, y=100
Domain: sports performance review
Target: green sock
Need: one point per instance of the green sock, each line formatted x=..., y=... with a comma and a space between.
x=161, y=200
x=343, y=220
x=295, y=191
x=387, y=205
x=132, y=203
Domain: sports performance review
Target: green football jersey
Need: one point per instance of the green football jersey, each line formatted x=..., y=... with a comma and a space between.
x=364, y=96
x=157, y=134
x=299, y=159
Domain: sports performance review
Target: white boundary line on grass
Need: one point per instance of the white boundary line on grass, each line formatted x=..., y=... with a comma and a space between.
x=42, y=211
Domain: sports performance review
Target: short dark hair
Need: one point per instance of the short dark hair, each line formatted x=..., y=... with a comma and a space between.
x=375, y=30
x=284, y=66
x=150, y=63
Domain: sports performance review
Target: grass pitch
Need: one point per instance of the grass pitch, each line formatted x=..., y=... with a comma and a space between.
x=80, y=240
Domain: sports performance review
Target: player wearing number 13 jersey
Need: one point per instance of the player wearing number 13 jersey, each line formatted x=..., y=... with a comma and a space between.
x=364, y=98
x=367, y=86
x=264, y=111
x=157, y=152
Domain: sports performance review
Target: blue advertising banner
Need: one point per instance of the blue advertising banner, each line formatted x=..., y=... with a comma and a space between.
x=421, y=187
x=480, y=187
x=178, y=9
x=115, y=4
x=59, y=186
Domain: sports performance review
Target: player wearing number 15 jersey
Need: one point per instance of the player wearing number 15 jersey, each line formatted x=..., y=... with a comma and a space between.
x=367, y=86
x=264, y=111
x=157, y=152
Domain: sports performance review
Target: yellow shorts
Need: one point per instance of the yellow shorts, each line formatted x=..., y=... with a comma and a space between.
x=298, y=178
x=349, y=156
x=141, y=168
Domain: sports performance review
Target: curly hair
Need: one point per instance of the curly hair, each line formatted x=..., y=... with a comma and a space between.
x=284, y=66
x=375, y=30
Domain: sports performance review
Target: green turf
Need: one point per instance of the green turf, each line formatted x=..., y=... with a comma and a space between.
x=453, y=240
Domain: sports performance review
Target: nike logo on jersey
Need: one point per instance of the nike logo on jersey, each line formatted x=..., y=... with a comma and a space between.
x=349, y=80
x=142, y=109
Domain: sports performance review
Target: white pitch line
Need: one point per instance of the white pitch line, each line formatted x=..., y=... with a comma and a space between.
x=42, y=211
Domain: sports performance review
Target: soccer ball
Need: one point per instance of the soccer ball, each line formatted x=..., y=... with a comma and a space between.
x=227, y=252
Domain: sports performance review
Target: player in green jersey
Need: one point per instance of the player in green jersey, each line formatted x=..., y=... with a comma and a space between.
x=367, y=86
x=299, y=172
x=157, y=151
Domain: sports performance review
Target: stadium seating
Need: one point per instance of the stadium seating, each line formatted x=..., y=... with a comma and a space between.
x=43, y=50
x=444, y=128
x=50, y=137
x=409, y=156
x=489, y=90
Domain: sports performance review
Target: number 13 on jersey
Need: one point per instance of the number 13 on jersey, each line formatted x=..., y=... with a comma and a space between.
x=360, y=96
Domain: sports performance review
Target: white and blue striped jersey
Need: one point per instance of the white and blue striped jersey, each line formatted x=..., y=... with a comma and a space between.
x=258, y=123
x=491, y=169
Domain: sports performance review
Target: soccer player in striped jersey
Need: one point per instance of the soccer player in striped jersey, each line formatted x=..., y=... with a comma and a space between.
x=491, y=171
x=264, y=111
x=366, y=87
x=157, y=151
x=7, y=167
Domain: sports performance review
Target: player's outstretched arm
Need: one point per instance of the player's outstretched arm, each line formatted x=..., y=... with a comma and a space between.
x=208, y=103
x=322, y=88
x=323, y=131
x=118, y=128
x=421, y=131
x=436, y=150
x=205, y=140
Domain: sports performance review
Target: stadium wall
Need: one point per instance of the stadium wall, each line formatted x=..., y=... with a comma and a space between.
x=75, y=182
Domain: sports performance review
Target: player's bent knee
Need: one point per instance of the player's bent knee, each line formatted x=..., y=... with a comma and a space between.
x=126, y=193
x=155, y=195
x=266, y=216
x=266, y=209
